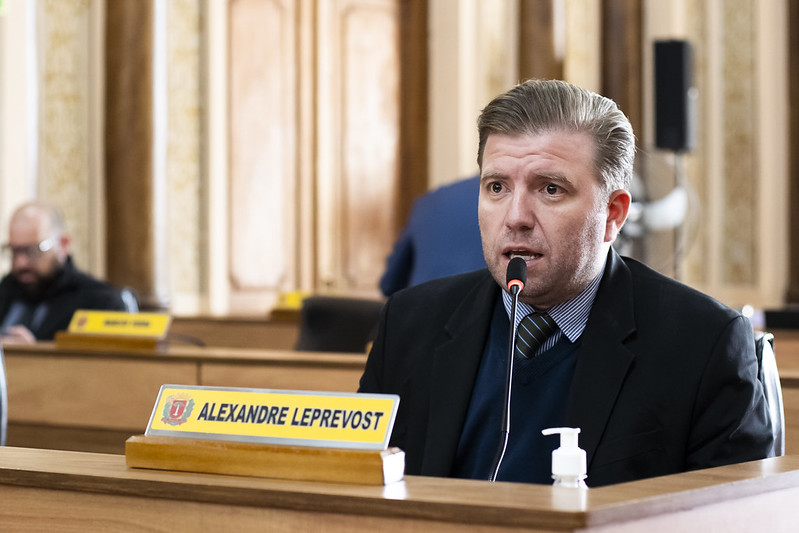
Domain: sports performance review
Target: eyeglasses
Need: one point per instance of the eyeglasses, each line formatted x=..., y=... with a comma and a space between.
x=31, y=251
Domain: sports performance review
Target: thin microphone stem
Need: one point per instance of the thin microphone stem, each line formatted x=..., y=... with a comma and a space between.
x=505, y=430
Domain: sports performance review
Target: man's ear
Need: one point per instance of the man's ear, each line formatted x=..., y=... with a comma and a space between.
x=65, y=243
x=618, y=208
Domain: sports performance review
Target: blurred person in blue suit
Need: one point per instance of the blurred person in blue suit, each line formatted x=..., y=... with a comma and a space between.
x=441, y=238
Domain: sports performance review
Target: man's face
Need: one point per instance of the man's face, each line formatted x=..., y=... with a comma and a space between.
x=540, y=199
x=31, y=266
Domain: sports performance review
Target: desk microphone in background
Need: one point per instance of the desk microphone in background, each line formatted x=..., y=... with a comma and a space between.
x=515, y=278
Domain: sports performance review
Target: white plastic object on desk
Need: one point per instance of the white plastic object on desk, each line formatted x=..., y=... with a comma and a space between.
x=568, y=461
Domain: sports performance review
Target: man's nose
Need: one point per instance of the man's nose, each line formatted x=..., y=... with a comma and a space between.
x=20, y=259
x=521, y=213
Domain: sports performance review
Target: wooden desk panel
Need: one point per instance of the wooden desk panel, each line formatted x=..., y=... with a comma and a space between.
x=235, y=332
x=97, y=492
x=790, y=400
x=94, y=392
x=338, y=372
x=786, y=350
x=73, y=399
x=282, y=377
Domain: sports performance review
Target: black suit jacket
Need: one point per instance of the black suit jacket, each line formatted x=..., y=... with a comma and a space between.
x=665, y=381
x=70, y=291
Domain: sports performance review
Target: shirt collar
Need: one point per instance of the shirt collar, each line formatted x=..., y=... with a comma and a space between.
x=571, y=317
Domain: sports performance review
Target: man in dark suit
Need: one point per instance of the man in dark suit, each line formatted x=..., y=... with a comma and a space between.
x=44, y=288
x=441, y=238
x=658, y=377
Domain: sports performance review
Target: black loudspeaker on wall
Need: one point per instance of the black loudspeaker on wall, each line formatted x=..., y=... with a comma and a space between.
x=675, y=96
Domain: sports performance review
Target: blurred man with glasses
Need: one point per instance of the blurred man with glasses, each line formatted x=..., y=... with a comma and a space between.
x=44, y=288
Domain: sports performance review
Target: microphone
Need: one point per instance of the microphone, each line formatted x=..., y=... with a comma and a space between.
x=516, y=275
x=515, y=278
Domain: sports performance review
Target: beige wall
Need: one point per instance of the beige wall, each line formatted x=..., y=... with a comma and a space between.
x=16, y=103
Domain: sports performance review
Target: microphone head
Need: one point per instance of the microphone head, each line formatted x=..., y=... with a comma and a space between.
x=516, y=275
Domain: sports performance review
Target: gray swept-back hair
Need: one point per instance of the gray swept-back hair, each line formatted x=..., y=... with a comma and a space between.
x=534, y=107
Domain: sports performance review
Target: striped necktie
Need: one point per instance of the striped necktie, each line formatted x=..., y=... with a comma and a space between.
x=533, y=330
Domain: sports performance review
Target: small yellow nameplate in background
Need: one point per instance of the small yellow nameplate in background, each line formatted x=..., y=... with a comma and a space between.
x=325, y=419
x=150, y=325
x=291, y=300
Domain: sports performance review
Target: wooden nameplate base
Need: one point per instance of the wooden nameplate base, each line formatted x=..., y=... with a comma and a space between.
x=306, y=463
x=88, y=341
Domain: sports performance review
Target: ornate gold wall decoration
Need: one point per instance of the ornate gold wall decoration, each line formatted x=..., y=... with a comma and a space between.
x=64, y=121
x=184, y=126
x=740, y=189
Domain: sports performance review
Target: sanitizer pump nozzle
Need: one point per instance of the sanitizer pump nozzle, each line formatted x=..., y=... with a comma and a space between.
x=568, y=461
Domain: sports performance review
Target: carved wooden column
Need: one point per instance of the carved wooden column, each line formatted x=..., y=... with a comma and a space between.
x=537, y=54
x=414, y=105
x=622, y=57
x=135, y=148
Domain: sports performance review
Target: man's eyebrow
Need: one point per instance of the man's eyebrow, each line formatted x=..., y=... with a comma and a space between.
x=553, y=176
x=492, y=176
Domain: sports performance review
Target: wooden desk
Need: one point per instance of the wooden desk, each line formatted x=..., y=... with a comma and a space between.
x=92, y=401
x=80, y=491
x=236, y=332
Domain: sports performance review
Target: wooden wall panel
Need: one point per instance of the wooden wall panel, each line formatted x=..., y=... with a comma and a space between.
x=358, y=140
x=347, y=132
x=262, y=146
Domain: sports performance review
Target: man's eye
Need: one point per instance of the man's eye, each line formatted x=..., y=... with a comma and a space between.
x=496, y=187
x=552, y=189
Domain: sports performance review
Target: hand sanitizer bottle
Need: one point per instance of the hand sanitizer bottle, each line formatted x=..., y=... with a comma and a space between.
x=568, y=461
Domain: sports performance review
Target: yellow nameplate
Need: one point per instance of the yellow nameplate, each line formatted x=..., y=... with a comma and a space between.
x=151, y=325
x=304, y=418
x=291, y=300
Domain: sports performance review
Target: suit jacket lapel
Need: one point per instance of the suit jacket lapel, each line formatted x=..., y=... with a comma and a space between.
x=603, y=359
x=454, y=370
